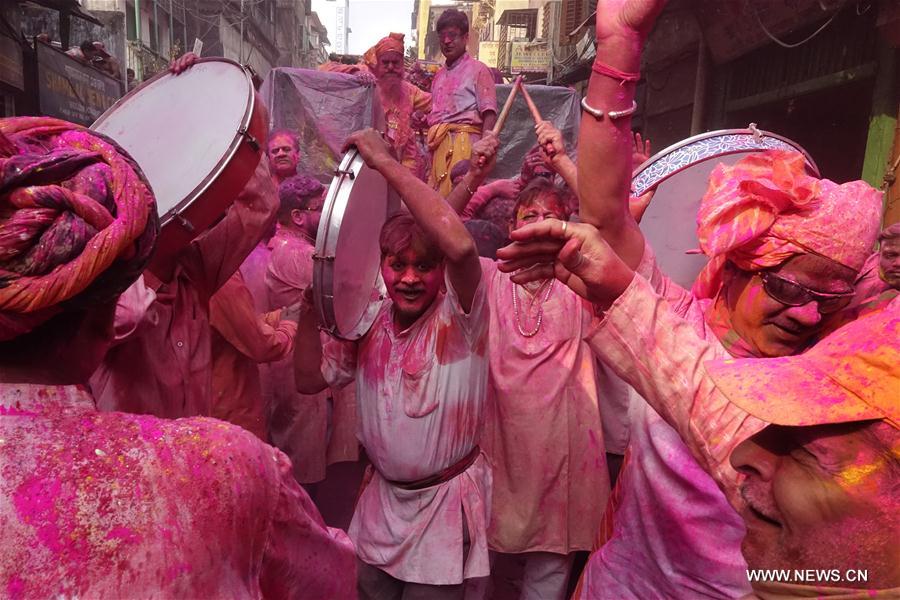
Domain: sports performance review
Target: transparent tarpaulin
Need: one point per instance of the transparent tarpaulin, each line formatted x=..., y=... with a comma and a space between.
x=559, y=105
x=323, y=109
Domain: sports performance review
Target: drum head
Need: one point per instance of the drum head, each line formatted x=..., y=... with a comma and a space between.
x=680, y=174
x=182, y=129
x=347, y=281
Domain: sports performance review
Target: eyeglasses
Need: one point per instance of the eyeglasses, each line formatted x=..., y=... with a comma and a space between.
x=792, y=293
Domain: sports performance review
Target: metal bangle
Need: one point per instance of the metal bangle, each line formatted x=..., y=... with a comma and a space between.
x=468, y=189
x=617, y=114
x=613, y=114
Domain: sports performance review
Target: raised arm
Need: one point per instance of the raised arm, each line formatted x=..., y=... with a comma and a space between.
x=558, y=158
x=439, y=222
x=605, y=144
x=486, y=149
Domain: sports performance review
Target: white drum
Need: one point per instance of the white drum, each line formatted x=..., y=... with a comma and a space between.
x=198, y=137
x=347, y=284
x=680, y=174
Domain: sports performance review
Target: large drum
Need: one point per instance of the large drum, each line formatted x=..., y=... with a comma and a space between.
x=680, y=174
x=198, y=137
x=347, y=284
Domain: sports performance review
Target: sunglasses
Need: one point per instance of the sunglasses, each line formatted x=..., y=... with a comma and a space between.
x=792, y=293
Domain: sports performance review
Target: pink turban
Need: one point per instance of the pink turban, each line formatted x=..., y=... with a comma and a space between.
x=77, y=221
x=766, y=208
x=391, y=43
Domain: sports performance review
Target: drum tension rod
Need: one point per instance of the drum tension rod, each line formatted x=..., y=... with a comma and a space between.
x=320, y=257
x=185, y=223
x=339, y=172
x=250, y=139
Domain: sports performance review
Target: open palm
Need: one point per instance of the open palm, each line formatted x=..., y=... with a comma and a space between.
x=627, y=17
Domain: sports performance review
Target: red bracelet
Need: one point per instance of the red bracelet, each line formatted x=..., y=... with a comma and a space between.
x=602, y=68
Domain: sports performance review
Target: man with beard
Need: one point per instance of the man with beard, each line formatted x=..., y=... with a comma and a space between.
x=784, y=249
x=284, y=154
x=464, y=103
x=404, y=104
x=421, y=374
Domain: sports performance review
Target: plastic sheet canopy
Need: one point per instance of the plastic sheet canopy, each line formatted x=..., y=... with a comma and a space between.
x=559, y=105
x=323, y=109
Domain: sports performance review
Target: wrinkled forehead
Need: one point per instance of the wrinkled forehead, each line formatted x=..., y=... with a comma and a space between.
x=281, y=140
x=390, y=56
x=817, y=272
x=413, y=253
x=544, y=202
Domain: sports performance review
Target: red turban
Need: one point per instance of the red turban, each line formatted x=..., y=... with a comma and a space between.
x=77, y=221
x=391, y=43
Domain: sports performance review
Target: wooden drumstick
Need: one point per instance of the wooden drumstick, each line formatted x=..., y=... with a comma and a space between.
x=536, y=115
x=501, y=119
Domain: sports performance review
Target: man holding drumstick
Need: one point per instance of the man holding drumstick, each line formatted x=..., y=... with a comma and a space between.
x=421, y=371
x=464, y=101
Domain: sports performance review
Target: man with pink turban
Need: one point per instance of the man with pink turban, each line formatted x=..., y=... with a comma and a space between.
x=784, y=248
x=404, y=104
x=111, y=505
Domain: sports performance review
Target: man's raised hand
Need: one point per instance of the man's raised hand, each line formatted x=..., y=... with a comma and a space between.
x=574, y=253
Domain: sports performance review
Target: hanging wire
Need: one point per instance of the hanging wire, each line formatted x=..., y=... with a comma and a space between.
x=785, y=44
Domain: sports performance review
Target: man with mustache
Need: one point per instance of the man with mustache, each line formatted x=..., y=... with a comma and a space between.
x=284, y=155
x=464, y=101
x=806, y=448
x=421, y=380
x=784, y=250
x=404, y=104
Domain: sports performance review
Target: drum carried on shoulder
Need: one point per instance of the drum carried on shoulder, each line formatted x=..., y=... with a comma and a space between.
x=680, y=174
x=348, y=288
x=198, y=137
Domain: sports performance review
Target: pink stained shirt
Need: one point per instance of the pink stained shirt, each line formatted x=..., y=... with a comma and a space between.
x=462, y=92
x=112, y=505
x=421, y=395
x=543, y=434
x=164, y=367
x=241, y=339
x=314, y=430
x=675, y=535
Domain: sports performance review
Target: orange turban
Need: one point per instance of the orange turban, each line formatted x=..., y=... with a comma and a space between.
x=766, y=208
x=77, y=221
x=391, y=43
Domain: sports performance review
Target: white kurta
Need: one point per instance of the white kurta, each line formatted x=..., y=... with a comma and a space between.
x=421, y=401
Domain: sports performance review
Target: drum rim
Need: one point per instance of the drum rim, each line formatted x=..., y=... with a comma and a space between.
x=717, y=133
x=223, y=162
x=327, y=238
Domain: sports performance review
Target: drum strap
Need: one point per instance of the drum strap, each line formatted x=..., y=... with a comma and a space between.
x=441, y=477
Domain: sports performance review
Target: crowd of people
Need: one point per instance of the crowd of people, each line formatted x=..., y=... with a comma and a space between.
x=167, y=419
